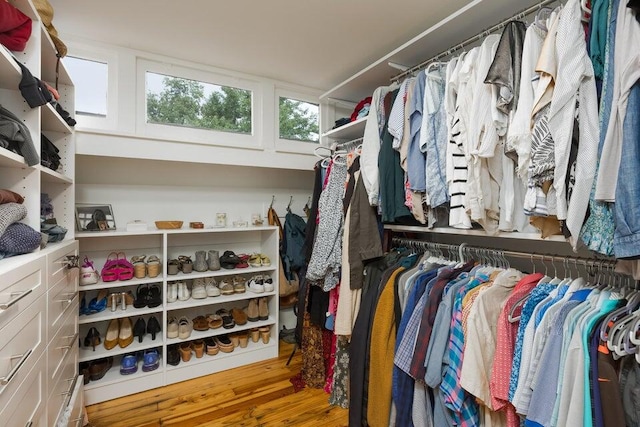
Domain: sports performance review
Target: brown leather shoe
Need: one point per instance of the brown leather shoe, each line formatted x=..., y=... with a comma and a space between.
x=198, y=348
x=125, y=337
x=252, y=310
x=185, y=351
x=239, y=316
x=263, y=309
x=111, y=337
x=100, y=367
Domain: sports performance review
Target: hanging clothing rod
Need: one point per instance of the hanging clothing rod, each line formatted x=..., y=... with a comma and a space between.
x=477, y=37
x=463, y=248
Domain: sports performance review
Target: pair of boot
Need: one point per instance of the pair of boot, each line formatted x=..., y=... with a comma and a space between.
x=204, y=263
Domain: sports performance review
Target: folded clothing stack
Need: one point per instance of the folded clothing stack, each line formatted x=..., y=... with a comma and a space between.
x=52, y=232
x=16, y=238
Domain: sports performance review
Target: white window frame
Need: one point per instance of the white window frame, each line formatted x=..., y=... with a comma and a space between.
x=109, y=121
x=291, y=145
x=197, y=135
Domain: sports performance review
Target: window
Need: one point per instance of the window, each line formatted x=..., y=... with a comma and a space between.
x=190, y=103
x=298, y=120
x=90, y=79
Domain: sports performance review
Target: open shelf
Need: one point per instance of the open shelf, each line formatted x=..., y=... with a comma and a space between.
x=200, y=335
x=178, y=305
x=50, y=59
x=10, y=74
x=48, y=175
x=121, y=283
x=87, y=353
x=9, y=159
x=472, y=232
x=51, y=121
x=347, y=132
x=118, y=314
x=113, y=376
x=252, y=346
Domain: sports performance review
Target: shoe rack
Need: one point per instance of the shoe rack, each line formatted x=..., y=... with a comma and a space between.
x=168, y=245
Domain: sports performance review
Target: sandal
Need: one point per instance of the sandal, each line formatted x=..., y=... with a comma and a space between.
x=111, y=269
x=243, y=338
x=215, y=321
x=224, y=343
x=153, y=266
x=227, y=319
x=265, y=260
x=139, y=266
x=126, y=268
x=172, y=267
x=185, y=351
x=154, y=299
x=142, y=296
x=255, y=261
x=229, y=260
x=212, y=347
x=265, y=333
x=185, y=264
x=198, y=348
x=200, y=323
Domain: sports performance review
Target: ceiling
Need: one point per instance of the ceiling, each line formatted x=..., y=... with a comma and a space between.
x=316, y=44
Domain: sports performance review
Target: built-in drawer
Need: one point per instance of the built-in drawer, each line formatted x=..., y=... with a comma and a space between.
x=63, y=347
x=61, y=391
x=19, y=287
x=62, y=299
x=25, y=406
x=73, y=414
x=21, y=344
x=57, y=265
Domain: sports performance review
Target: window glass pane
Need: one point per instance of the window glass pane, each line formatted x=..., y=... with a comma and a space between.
x=183, y=102
x=298, y=120
x=90, y=79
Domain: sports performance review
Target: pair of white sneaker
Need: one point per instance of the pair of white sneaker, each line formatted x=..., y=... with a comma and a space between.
x=178, y=291
x=205, y=287
x=260, y=284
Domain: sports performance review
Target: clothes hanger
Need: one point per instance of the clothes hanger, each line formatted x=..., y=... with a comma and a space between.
x=318, y=149
x=289, y=205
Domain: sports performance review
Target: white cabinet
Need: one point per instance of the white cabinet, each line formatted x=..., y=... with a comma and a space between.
x=168, y=245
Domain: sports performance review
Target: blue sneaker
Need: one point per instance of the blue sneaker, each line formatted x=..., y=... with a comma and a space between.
x=129, y=365
x=151, y=360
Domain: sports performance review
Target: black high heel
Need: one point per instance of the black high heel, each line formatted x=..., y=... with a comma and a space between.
x=153, y=327
x=92, y=339
x=139, y=329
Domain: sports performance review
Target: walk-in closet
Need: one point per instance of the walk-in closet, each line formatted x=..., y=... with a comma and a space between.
x=243, y=213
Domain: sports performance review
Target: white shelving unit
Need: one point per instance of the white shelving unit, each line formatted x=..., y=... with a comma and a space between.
x=347, y=132
x=167, y=245
x=44, y=320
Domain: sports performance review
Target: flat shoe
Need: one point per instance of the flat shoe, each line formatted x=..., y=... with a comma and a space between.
x=227, y=319
x=215, y=321
x=200, y=323
x=239, y=316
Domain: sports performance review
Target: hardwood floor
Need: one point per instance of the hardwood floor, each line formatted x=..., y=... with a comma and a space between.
x=251, y=396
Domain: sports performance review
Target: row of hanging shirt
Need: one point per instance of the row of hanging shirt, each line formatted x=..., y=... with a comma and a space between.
x=492, y=346
x=509, y=134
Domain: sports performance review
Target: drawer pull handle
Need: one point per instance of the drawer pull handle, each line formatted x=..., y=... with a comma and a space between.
x=14, y=371
x=29, y=424
x=74, y=339
x=78, y=421
x=68, y=297
x=17, y=296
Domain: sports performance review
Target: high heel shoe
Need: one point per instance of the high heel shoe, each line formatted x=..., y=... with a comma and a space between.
x=99, y=303
x=139, y=329
x=153, y=327
x=125, y=335
x=92, y=339
x=83, y=304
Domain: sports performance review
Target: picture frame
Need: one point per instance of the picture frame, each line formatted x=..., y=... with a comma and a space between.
x=95, y=217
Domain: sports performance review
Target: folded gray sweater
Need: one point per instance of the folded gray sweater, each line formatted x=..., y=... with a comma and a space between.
x=15, y=136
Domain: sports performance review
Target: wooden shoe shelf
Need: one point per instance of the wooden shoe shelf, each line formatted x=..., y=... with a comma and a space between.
x=169, y=244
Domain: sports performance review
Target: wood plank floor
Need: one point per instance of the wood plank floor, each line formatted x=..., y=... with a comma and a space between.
x=251, y=396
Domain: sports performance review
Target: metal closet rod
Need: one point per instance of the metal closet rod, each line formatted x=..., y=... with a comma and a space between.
x=499, y=252
x=477, y=37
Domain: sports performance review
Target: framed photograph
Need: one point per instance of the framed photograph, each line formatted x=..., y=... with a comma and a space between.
x=90, y=217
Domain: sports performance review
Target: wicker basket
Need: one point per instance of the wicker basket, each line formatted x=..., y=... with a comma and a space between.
x=169, y=225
